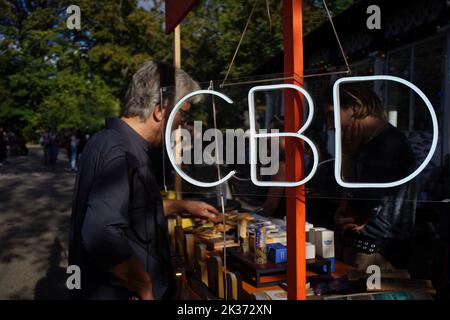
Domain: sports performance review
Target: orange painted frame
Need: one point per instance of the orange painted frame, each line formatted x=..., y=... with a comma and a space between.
x=293, y=110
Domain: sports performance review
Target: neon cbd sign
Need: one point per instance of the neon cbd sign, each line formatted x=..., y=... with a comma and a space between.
x=337, y=121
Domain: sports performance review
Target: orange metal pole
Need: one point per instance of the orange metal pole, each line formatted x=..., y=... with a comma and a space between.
x=293, y=115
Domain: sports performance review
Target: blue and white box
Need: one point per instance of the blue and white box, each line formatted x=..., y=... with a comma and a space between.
x=277, y=252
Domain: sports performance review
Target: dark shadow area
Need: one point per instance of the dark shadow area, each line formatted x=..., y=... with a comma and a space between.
x=35, y=207
x=53, y=285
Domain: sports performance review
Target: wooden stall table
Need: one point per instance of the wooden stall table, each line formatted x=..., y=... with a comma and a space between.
x=248, y=288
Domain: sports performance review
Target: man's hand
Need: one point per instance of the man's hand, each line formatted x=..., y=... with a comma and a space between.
x=131, y=275
x=146, y=293
x=352, y=138
x=199, y=210
x=347, y=219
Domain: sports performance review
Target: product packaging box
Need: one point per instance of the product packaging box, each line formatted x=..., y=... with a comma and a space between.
x=277, y=252
x=308, y=226
x=310, y=251
x=325, y=243
x=312, y=235
x=332, y=268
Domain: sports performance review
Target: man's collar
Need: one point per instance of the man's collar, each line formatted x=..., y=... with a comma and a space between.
x=121, y=126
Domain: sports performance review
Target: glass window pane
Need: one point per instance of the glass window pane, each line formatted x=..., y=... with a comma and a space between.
x=399, y=64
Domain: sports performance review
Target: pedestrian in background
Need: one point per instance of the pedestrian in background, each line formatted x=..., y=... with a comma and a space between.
x=74, y=142
x=53, y=148
x=44, y=141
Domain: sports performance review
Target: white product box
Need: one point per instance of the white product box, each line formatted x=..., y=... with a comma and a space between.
x=312, y=235
x=308, y=227
x=310, y=251
x=325, y=243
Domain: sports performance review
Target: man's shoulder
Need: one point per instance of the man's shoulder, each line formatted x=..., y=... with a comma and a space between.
x=392, y=140
x=389, y=147
x=107, y=141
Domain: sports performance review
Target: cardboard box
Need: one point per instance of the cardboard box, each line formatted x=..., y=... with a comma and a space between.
x=310, y=251
x=277, y=252
x=332, y=264
x=312, y=235
x=324, y=243
x=308, y=226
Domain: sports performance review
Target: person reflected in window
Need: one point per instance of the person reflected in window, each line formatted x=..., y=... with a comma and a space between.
x=377, y=222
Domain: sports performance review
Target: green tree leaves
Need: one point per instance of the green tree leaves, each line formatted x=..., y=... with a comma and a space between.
x=52, y=77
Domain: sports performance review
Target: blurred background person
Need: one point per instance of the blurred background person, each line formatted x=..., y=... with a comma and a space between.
x=44, y=141
x=53, y=148
x=74, y=142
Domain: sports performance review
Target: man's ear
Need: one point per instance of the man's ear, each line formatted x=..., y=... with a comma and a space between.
x=158, y=113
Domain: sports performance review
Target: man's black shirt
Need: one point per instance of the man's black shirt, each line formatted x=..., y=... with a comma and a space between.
x=117, y=213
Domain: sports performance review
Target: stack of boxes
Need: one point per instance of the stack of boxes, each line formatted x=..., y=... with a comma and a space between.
x=310, y=245
x=320, y=242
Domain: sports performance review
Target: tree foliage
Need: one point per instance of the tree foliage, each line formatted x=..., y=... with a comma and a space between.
x=53, y=77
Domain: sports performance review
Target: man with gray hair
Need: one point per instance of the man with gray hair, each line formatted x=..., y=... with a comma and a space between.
x=118, y=233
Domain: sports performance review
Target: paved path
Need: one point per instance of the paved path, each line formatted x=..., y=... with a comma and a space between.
x=35, y=206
